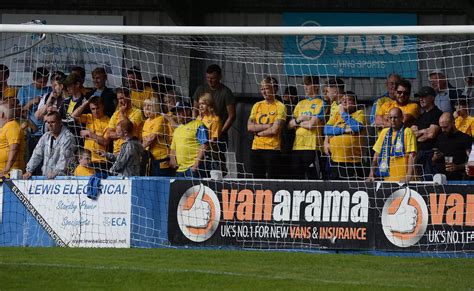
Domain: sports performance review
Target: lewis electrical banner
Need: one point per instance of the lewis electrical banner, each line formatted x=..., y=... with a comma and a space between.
x=350, y=55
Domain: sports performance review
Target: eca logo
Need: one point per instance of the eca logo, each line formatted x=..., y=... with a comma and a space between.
x=404, y=217
x=311, y=46
x=198, y=213
x=114, y=221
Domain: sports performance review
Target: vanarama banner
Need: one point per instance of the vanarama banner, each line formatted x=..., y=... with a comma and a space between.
x=337, y=215
x=270, y=214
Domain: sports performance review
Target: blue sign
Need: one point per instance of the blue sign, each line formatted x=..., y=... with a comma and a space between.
x=350, y=55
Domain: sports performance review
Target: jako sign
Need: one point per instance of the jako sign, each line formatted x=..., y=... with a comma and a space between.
x=350, y=55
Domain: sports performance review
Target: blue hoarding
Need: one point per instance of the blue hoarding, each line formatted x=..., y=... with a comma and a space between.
x=350, y=55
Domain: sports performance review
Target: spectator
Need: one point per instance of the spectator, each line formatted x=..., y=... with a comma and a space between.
x=453, y=151
x=54, y=100
x=96, y=124
x=154, y=137
x=222, y=96
x=127, y=162
x=99, y=78
x=392, y=80
x=410, y=110
x=333, y=92
x=308, y=122
x=213, y=124
x=290, y=99
x=84, y=167
x=464, y=122
x=446, y=94
x=395, y=151
x=54, y=149
x=265, y=122
x=81, y=72
x=224, y=103
x=125, y=110
x=170, y=100
x=29, y=97
x=12, y=141
x=426, y=129
x=345, y=131
x=190, y=142
x=138, y=91
x=6, y=92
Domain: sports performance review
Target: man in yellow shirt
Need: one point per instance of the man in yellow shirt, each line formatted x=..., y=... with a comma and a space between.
x=138, y=91
x=96, y=124
x=410, y=110
x=346, y=131
x=265, y=122
x=463, y=121
x=395, y=151
x=125, y=110
x=12, y=142
x=391, y=84
x=6, y=91
x=190, y=142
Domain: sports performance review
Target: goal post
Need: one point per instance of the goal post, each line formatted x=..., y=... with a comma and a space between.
x=296, y=168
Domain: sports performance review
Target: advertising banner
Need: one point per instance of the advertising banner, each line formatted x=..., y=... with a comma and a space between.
x=269, y=214
x=425, y=218
x=64, y=212
x=350, y=55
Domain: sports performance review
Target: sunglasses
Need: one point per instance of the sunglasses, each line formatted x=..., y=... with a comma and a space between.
x=403, y=93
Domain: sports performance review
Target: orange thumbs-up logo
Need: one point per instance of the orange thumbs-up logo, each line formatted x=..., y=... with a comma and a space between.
x=404, y=217
x=198, y=213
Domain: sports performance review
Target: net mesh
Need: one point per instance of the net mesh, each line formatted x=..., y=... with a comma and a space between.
x=334, y=98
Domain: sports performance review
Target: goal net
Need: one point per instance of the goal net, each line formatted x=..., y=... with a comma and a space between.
x=273, y=141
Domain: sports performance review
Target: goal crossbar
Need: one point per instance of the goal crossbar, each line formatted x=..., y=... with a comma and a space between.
x=240, y=30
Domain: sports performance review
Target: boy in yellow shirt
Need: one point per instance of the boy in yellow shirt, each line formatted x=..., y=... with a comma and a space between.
x=84, y=169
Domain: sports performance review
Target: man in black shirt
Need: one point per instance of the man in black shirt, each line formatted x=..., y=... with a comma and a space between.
x=453, y=151
x=426, y=129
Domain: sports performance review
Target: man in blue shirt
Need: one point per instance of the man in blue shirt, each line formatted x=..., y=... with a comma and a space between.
x=29, y=97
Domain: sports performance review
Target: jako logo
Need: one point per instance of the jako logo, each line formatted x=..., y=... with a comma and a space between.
x=311, y=46
x=404, y=217
x=198, y=213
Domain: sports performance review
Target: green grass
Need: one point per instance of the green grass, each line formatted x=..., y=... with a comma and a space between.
x=132, y=269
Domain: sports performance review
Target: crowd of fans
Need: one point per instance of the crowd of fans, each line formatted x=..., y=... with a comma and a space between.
x=148, y=129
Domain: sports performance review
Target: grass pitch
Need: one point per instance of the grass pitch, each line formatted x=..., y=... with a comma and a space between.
x=132, y=269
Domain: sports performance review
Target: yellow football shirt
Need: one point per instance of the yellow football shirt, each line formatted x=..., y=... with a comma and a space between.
x=99, y=127
x=309, y=139
x=186, y=144
x=465, y=125
x=11, y=133
x=347, y=148
x=159, y=147
x=135, y=116
x=83, y=171
x=267, y=113
x=398, y=165
x=139, y=96
x=213, y=124
x=410, y=108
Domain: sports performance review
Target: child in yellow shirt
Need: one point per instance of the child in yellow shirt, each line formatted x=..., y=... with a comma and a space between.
x=83, y=169
x=214, y=125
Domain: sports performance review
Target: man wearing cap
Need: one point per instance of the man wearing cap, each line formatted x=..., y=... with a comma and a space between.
x=426, y=129
x=446, y=94
x=189, y=145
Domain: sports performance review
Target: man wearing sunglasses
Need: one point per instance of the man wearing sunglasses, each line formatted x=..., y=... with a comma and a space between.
x=410, y=110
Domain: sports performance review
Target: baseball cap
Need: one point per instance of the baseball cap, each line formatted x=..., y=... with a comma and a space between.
x=426, y=91
x=182, y=105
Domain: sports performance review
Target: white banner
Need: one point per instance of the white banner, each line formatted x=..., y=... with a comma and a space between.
x=61, y=53
x=66, y=212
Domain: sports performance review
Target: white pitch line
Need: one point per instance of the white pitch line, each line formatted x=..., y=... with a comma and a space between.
x=210, y=272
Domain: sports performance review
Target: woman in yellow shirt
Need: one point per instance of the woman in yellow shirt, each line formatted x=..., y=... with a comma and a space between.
x=154, y=136
x=265, y=121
